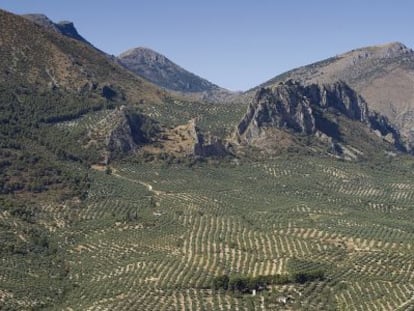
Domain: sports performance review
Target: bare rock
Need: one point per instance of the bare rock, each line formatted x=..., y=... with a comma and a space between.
x=303, y=110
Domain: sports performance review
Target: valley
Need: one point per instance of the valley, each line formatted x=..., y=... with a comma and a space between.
x=129, y=183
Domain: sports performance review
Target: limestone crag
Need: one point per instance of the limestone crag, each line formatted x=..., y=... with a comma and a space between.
x=299, y=109
x=206, y=145
x=119, y=132
x=383, y=75
x=290, y=106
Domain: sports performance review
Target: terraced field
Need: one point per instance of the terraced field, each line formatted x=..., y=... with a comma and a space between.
x=152, y=237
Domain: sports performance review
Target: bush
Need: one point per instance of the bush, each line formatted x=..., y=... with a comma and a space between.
x=239, y=283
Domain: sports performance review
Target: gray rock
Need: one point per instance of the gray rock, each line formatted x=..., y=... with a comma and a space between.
x=300, y=109
x=206, y=145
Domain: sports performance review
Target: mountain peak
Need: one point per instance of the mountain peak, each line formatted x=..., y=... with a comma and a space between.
x=387, y=50
x=139, y=49
x=158, y=69
x=144, y=53
x=66, y=28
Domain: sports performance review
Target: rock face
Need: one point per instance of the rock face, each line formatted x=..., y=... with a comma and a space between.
x=185, y=141
x=289, y=106
x=300, y=109
x=65, y=28
x=121, y=132
x=206, y=145
x=383, y=75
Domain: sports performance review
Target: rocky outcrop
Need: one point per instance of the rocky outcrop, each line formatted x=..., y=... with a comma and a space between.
x=383, y=75
x=338, y=96
x=65, y=28
x=285, y=107
x=206, y=145
x=290, y=106
x=300, y=109
x=120, y=132
x=383, y=128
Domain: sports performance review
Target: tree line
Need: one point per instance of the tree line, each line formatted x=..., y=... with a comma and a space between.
x=245, y=284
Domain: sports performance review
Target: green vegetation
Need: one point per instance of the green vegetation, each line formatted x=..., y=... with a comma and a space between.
x=178, y=234
x=339, y=235
x=246, y=284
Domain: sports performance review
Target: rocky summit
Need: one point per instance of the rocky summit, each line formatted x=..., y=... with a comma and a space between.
x=66, y=28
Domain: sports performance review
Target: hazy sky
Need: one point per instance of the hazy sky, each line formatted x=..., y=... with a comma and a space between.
x=236, y=44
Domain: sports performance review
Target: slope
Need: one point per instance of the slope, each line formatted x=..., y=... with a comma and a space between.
x=47, y=78
x=31, y=56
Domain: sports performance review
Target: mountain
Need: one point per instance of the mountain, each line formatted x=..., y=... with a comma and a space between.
x=163, y=72
x=47, y=78
x=383, y=75
x=55, y=62
x=332, y=115
x=65, y=28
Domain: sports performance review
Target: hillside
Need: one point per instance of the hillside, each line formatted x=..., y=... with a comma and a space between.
x=382, y=74
x=33, y=57
x=46, y=79
x=163, y=72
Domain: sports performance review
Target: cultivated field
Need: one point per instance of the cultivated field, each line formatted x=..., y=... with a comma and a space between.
x=152, y=236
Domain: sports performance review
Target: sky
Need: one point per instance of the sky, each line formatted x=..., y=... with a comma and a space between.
x=236, y=44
